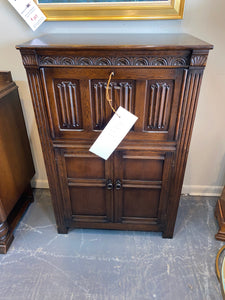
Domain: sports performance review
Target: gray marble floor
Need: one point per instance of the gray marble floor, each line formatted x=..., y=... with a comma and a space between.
x=112, y=265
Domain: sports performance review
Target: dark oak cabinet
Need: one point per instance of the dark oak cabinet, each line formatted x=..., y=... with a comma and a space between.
x=158, y=79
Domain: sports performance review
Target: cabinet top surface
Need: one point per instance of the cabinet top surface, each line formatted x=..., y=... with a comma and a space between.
x=116, y=41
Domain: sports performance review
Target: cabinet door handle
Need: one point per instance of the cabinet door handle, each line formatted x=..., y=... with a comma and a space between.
x=109, y=184
x=118, y=184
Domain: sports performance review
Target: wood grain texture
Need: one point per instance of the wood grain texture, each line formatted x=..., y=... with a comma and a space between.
x=157, y=78
x=116, y=41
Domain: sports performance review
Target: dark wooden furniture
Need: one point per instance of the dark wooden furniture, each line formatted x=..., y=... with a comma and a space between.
x=156, y=77
x=220, y=216
x=220, y=269
x=16, y=165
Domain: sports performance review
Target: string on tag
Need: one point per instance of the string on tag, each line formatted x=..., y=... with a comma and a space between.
x=107, y=94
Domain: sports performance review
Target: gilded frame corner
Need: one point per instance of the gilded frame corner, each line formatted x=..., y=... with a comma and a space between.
x=168, y=9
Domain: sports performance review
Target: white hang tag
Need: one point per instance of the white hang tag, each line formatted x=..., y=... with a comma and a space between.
x=114, y=133
x=30, y=12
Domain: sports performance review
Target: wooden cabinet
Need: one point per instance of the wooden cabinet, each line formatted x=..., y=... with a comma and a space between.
x=158, y=79
x=16, y=165
x=220, y=216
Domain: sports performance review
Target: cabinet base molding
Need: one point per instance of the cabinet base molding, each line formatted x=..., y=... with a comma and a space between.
x=14, y=218
x=6, y=242
x=117, y=226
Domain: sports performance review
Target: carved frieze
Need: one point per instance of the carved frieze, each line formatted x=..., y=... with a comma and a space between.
x=115, y=60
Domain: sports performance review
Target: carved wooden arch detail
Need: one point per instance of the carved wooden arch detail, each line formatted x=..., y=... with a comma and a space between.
x=143, y=60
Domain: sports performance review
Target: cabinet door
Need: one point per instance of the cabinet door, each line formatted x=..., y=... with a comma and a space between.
x=141, y=186
x=77, y=106
x=86, y=187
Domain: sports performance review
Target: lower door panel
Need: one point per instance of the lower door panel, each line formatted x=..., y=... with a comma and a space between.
x=83, y=178
x=128, y=191
x=142, y=195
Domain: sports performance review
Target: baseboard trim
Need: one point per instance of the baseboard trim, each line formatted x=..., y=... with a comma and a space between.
x=39, y=184
x=195, y=190
x=202, y=190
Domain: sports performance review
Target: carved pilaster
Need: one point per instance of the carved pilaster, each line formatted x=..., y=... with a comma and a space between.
x=192, y=85
x=6, y=237
x=44, y=132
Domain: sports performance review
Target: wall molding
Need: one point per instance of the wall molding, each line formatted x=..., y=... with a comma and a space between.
x=194, y=190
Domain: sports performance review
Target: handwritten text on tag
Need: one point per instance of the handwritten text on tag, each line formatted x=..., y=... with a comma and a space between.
x=30, y=12
x=114, y=133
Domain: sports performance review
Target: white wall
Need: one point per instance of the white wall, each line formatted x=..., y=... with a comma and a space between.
x=205, y=173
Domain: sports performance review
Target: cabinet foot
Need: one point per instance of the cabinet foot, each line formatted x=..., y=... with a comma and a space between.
x=6, y=237
x=7, y=227
x=167, y=234
x=62, y=229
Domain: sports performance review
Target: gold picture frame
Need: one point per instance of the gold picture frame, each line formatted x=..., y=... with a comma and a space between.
x=63, y=10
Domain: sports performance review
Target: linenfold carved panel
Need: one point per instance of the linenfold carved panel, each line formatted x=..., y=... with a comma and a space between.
x=158, y=106
x=68, y=104
x=122, y=94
